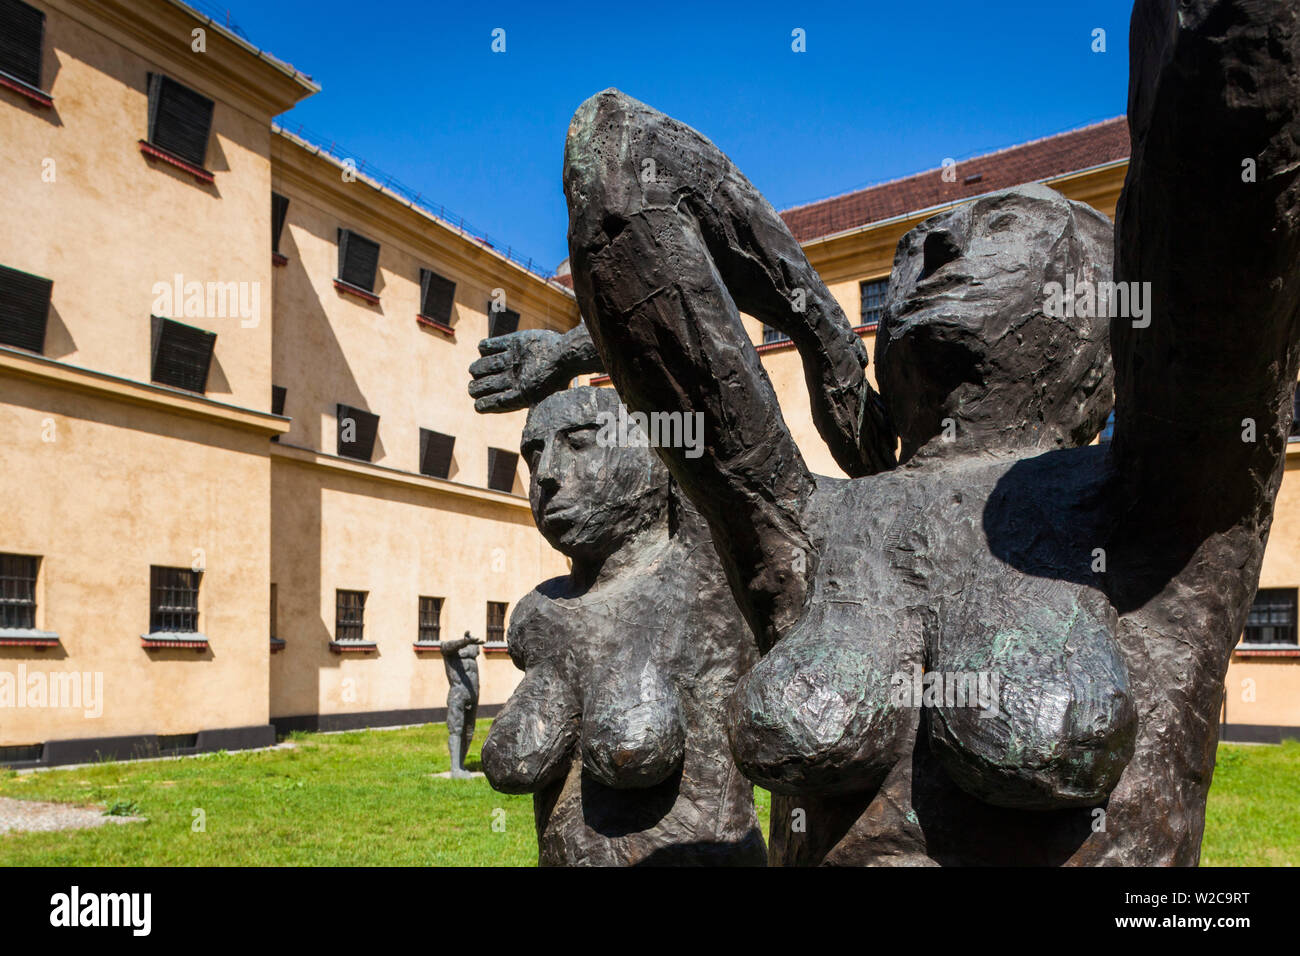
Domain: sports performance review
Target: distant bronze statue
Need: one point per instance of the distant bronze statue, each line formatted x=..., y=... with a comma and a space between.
x=616, y=727
x=1101, y=587
x=459, y=659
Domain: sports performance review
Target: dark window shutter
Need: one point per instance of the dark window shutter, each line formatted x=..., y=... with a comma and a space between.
x=501, y=469
x=436, y=296
x=24, y=309
x=278, y=393
x=503, y=322
x=279, y=208
x=358, y=260
x=435, y=453
x=366, y=426
x=179, y=119
x=21, y=29
x=182, y=354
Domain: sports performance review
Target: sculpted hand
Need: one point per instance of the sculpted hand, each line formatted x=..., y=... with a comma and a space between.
x=516, y=370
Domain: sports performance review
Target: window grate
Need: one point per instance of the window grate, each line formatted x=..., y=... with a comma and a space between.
x=358, y=260
x=24, y=309
x=430, y=620
x=496, y=622
x=349, y=616
x=22, y=29
x=279, y=210
x=174, y=601
x=1272, y=617
x=502, y=321
x=275, y=607
x=182, y=354
x=179, y=119
x=872, y=300
x=771, y=335
x=437, y=295
x=435, y=453
x=357, y=431
x=18, y=590
x=501, y=469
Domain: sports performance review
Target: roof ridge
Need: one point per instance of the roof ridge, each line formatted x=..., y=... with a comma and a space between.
x=932, y=170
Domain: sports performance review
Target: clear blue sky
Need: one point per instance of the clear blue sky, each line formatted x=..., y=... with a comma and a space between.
x=885, y=89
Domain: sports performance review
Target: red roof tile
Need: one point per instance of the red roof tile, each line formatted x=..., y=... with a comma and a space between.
x=1041, y=159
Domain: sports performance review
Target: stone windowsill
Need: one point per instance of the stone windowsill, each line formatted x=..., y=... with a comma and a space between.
x=27, y=637
x=37, y=96
x=353, y=647
x=184, y=639
x=429, y=323
x=1266, y=650
x=363, y=294
x=200, y=174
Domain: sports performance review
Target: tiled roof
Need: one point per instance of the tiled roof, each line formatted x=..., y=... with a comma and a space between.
x=1041, y=159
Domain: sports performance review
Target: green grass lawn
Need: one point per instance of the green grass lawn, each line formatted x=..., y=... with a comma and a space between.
x=368, y=798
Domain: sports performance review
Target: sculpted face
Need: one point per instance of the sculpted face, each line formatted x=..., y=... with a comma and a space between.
x=965, y=335
x=587, y=498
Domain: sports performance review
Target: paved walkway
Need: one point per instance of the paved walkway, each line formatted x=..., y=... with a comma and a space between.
x=31, y=816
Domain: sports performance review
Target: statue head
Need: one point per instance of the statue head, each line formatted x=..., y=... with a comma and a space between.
x=588, y=494
x=971, y=333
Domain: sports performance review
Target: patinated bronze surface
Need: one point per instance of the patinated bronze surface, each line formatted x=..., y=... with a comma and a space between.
x=628, y=661
x=1102, y=586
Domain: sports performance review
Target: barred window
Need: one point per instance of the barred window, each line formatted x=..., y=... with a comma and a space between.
x=179, y=119
x=182, y=354
x=430, y=620
x=1295, y=415
x=502, y=321
x=496, y=622
x=1272, y=617
x=18, y=590
x=872, y=295
x=22, y=27
x=502, y=465
x=771, y=335
x=275, y=616
x=435, y=453
x=279, y=211
x=358, y=260
x=349, y=615
x=174, y=599
x=24, y=309
x=1107, y=430
x=357, y=431
x=437, y=296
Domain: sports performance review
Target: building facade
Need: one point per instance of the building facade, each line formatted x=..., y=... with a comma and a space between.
x=248, y=491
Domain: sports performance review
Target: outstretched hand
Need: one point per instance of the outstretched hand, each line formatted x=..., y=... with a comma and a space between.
x=516, y=370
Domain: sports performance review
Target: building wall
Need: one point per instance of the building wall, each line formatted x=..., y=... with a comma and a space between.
x=380, y=526
x=106, y=473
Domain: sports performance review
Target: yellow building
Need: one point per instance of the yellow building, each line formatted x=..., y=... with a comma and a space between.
x=248, y=489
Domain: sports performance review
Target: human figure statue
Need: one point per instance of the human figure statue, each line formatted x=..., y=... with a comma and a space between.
x=628, y=660
x=1102, y=587
x=459, y=658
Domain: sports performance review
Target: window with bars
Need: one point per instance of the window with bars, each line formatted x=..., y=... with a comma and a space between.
x=502, y=321
x=275, y=611
x=24, y=309
x=279, y=210
x=872, y=300
x=435, y=453
x=182, y=354
x=1272, y=617
x=22, y=28
x=349, y=616
x=174, y=600
x=772, y=336
x=1295, y=416
x=496, y=622
x=430, y=620
x=437, y=295
x=501, y=469
x=357, y=431
x=180, y=119
x=358, y=260
x=18, y=590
